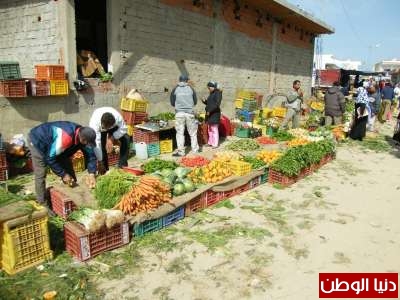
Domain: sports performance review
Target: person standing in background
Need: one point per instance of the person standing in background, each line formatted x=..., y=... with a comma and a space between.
x=387, y=101
x=293, y=105
x=334, y=105
x=183, y=98
x=213, y=113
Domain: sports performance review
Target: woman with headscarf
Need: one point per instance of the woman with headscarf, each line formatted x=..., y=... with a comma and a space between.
x=362, y=111
x=374, y=104
x=213, y=113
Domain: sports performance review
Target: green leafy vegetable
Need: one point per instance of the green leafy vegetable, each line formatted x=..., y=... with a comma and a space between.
x=111, y=187
x=158, y=164
x=243, y=145
x=282, y=136
x=255, y=162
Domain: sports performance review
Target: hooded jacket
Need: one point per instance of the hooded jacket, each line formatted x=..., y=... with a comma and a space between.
x=183, y=98
x=60, y=138
x=334, y=102
x=213, y=109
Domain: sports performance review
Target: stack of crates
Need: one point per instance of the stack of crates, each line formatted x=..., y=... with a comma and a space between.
x=3, y=162
x=134, y=112
x=11, y=83
x=24, y=236
x=49, y=76
x=151, y=139
x=247, y=106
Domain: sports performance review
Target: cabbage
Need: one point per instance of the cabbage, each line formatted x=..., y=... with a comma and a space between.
x=166, y=172
x=179, y=189
x=169, y=181
x=181, y=172
x=189, y=186
x=113, y=217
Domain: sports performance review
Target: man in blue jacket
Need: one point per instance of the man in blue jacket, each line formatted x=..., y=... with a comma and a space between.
x=52, y=144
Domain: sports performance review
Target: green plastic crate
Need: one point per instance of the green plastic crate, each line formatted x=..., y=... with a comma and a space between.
x=148, y=226
x=242, y=132
x=9, y=70
x=264, y=177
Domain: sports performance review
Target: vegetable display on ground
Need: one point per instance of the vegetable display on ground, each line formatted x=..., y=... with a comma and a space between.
x=243, y=145
x=112, y=186
x=150, y=193
x=156, y=164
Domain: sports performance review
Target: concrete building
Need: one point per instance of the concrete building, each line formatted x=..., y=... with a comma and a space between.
x=252, y=44
x=329, y=61
x=387, y=65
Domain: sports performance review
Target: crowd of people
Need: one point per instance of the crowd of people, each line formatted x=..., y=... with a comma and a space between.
x=374, y=101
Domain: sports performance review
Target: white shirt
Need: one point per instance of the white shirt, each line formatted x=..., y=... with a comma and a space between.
x=397, y=91
x=95, y=123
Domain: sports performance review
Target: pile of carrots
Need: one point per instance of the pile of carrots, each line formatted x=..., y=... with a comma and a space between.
x=148, y=194
x=194, y=161
x=265, y=140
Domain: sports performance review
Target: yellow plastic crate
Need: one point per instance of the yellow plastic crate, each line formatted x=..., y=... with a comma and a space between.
x=59, y=87
x=166, y=146
x=131, y=130
x=245, y=94
x=262, y=127
x=25, y=241
x=238, y=167
x=134, y=105
x=267, y=113
x=279, y=112
x=239, y=103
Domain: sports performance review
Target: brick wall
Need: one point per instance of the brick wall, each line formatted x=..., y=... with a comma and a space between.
x=28, y=33
x=151, y=43
x=293, y=63
x=162, y=40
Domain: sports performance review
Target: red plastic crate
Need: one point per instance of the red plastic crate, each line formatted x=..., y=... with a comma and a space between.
x=228, y=194
x=13, y=88
x=213, y=197
x=277, y=177
x=113, y=159
x=61, y=204
x=84, y=245
x=195, y=204
x=3, y=159
x=49, y=72
x=306, y=172
x=242, y=189
x=3, y=174
x=145, y=136
x=133, y=117
x=39, y=88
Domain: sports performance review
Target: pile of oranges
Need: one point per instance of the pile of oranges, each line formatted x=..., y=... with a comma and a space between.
x=214, y=172
x=268, y=156
x=297, y=142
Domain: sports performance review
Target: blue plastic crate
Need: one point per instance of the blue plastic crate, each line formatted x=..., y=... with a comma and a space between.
x=148, y=226
x=245, y=115
x=153, y=149
x=174, y=216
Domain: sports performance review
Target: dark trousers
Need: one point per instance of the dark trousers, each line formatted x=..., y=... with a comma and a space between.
x=123, y=152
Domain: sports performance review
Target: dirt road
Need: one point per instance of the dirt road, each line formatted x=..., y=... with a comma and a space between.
x=270, y=243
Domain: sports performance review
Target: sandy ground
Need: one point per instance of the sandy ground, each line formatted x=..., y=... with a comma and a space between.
x=270, y=243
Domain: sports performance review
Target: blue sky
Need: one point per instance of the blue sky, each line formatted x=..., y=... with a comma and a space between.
x=359, y=27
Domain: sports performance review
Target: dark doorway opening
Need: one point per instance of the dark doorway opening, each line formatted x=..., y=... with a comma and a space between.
x=91, y=33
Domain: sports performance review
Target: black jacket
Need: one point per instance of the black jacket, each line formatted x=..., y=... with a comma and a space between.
x=213, y=104
x=334, y=102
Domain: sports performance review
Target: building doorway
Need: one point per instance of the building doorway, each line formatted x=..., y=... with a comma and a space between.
x=91, y=37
